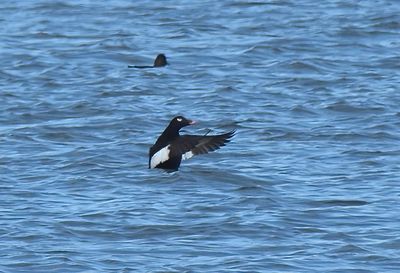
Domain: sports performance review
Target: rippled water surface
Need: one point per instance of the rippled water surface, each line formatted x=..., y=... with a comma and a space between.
x=310, y=183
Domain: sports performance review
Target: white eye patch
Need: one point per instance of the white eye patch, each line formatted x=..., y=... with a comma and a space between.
x=179, y=119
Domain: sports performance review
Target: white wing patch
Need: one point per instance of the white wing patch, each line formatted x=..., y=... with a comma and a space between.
x=187, y=155
x=160, y=157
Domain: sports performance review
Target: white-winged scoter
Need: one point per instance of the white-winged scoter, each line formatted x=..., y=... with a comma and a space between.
x=171, y=148
x=160, y=61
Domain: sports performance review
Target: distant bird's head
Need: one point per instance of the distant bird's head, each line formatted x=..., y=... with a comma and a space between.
x=160, y=60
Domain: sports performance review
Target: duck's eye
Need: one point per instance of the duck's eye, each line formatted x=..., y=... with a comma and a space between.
x=179, y=119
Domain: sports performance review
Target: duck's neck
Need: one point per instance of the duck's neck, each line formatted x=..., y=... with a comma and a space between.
x=168, y=134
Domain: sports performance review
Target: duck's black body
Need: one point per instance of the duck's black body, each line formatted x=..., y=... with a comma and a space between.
x=171, y=148
x=160, y=61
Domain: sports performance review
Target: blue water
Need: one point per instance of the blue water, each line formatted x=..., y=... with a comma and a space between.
x=310, y=183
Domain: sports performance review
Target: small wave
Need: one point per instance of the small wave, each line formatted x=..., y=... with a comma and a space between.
x=346, y=107
x=340, y=203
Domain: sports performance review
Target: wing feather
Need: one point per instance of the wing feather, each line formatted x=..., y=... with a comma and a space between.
x=190, y=145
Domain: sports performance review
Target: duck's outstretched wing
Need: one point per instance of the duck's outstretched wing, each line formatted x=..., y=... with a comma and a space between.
x=189, y=145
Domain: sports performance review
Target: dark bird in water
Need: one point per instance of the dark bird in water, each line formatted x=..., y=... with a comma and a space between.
x=160, y=61
x=171, y=148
